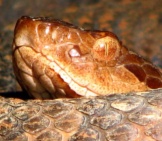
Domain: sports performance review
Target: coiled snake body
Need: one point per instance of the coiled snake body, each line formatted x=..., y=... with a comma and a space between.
x=116, y=94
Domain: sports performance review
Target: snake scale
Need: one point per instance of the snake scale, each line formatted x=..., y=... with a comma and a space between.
x=105, y=92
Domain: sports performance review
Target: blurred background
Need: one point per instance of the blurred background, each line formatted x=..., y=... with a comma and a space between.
x=138, y=24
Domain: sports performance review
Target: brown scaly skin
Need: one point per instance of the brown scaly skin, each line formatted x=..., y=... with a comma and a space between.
x=118, y=117
x=52, y=57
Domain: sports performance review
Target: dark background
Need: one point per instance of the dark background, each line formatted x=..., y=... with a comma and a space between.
x=137, y=23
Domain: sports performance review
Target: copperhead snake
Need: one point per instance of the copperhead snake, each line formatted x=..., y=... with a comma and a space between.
x=116, y=93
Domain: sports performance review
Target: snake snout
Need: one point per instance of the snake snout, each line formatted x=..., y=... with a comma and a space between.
x=26, y=33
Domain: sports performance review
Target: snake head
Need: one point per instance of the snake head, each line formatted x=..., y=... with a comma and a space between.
x=53, y=58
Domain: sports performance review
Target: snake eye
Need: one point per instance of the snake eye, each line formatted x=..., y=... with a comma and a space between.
x=106, y=48
x=75, y=51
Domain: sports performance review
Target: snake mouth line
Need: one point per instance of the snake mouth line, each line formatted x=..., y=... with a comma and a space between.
x=74, y=86
x=83, y=91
